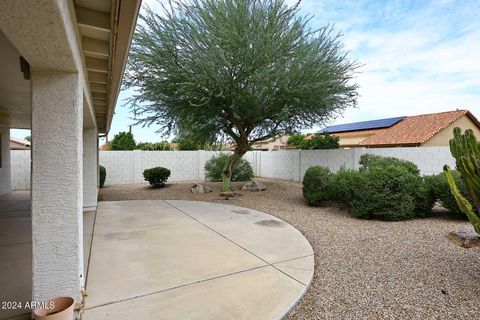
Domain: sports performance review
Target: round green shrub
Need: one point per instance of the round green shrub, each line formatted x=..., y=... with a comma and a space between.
x=369, y=160
x=439, y=190
x=341, y=184
x=389, y=192
x=316, y=182
x=242, y=171
x=103, y=175
x=156, y=176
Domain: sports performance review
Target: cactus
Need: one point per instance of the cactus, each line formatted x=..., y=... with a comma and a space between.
x=466, y=150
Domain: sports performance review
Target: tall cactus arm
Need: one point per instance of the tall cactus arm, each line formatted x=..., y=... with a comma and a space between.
x=463, y=203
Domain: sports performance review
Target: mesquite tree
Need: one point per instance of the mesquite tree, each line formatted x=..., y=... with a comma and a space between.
x=242, y=69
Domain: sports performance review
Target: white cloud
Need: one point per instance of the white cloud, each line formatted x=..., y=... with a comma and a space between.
x=416, y=60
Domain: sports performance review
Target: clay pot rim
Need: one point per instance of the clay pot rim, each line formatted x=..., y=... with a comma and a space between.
x=64, y=303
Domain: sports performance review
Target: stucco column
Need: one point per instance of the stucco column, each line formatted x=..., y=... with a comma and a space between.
x=5, y=166
x=57, y=179
x=90, y=170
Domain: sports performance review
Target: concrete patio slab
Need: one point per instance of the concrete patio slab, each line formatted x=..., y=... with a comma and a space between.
x=263, y=293
x=266, y=234
x=167, y=260
x=205, y=213
x=300, y=269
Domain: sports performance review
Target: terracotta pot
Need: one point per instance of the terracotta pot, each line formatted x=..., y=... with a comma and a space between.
x=60, y=308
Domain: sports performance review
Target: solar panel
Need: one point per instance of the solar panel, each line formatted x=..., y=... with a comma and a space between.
x=364, y=125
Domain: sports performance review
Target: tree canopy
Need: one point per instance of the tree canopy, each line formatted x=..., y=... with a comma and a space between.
x=243, y=69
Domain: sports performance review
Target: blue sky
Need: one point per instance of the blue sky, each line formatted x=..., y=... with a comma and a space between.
x=417, y=56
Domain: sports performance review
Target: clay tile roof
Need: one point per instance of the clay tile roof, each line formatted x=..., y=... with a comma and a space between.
x=415, y=130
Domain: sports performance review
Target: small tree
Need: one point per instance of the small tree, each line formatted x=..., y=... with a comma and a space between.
x=245, y=69
x=187, y=144
x=324, y=141
x=296, y=140
x=122, y=141
x=156, y=146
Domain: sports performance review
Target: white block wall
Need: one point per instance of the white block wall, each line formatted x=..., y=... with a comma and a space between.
x=21, y=168
x=125, y=167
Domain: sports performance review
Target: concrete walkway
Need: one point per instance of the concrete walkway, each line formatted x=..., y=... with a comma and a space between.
x=193, y=260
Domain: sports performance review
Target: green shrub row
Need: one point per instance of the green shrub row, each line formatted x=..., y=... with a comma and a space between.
x=383, y=188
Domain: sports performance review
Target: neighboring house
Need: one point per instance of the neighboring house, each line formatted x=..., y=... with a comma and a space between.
x=273, y=144
x=19, y=144
x=426, y=130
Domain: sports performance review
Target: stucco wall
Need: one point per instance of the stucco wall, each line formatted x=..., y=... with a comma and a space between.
x=443, y=137
x=352, y=140
x=5, y=171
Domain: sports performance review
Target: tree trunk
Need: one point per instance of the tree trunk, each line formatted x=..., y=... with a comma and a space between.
x=240, y=150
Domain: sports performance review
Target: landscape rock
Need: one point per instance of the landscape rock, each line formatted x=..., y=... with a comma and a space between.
x=466, y=238
x=254, y=186
x=200, y=188
x=227, y=195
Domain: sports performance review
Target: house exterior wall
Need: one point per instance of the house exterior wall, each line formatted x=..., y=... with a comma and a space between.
x=443, y=137
x=5, y=168
x=352, y=141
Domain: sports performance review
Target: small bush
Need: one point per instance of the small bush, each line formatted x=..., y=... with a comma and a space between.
x=389, y=192
x=369, y=160
x=341, y=184
x=316, y=182
x=156, y=176
x=242, y=171
x=103, y=175
x=439, y=190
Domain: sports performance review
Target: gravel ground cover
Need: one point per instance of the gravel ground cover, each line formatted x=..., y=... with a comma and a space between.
x=364, y=269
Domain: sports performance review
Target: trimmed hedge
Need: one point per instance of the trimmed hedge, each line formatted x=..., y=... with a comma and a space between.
x=341, y=185
x=440, y=191
x=156, y=176
x=242, y=171
x=370, y=160
x=389, y=192
x=384, y=188
x=316, y=182
x=103, y=175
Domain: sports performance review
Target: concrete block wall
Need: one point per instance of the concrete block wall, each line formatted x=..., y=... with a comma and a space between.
x=430, y=160
x=21, y=169
x=332, y=159
x=124, y=167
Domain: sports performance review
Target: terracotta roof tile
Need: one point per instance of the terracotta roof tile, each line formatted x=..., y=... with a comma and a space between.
x=413, y=130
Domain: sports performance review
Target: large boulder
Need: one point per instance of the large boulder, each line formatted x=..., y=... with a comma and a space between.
x=466, y=238
x=200, y=188
x=254, y=186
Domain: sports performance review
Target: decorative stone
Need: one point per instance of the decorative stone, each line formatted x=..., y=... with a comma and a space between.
x=200, y=188
x=254, y=186
x=465, y=238
x=227, y=195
